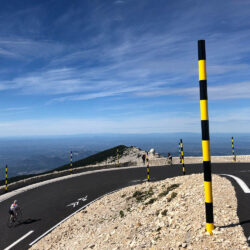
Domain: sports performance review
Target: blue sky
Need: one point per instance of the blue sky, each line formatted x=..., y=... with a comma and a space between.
x=122, y=66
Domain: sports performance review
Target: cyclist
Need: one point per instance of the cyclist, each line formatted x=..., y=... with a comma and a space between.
x=13, y=210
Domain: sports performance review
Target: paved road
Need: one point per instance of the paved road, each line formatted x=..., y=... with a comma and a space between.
x=47, y=205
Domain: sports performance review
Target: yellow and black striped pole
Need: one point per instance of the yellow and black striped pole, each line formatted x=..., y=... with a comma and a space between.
x=182, y=158
x=234, y=158
x=205, y=137
x=147, y=166
x=71, y=163
x=6, y=179
x=117, y=157
x=180, y=151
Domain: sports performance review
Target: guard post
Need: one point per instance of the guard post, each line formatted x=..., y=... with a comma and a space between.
x=182, y=158
x=147, y=167
x=71, y=163
x=6, y=179
x=205, y=137
x=234, y=157
x=180, y=152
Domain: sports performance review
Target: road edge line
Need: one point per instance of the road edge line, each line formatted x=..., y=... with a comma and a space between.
x=241, y=183
x=20, y=239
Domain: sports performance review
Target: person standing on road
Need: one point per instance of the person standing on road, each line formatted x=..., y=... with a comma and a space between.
x=170, y=159
x=143, y=159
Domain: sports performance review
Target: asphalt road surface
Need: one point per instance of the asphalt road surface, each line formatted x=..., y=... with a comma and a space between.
x=46, y=206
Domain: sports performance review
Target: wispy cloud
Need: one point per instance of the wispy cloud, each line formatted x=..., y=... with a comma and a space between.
x=221, y=92
x=27, y=49
x=139, y=124
x=15, y=109
x=101, y=68
x=234, y=120
x=166, y=122
x=126, y=50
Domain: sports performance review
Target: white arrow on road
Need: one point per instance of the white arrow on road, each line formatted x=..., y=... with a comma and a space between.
x=242, y=184
x=83, y=198
x=74, y=204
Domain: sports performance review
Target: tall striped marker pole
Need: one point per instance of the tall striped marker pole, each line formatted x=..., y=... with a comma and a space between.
x=147, y=167
x=6, y=179
x=234, y=158
x=117, y=157
x=180, y=151
x=205, y=137
x=182, y=158
x=71, y=163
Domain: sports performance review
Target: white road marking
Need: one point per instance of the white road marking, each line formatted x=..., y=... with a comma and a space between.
x=83, y=198
x=74, y=204
x=23, y=237
x=58, y=224
x=242, y=184
x=135, y=181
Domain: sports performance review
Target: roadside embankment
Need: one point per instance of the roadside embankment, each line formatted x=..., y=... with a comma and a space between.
x=132, y=156
x=168, y=214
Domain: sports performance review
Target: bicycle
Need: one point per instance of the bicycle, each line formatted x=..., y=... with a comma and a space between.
x=13, y=222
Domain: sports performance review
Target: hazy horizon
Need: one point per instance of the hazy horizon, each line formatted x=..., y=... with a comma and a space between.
x=27, y=155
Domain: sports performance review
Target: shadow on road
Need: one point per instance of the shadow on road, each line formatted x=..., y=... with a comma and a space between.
x=27, y=221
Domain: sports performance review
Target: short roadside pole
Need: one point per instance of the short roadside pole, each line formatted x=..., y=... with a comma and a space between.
x=205, y=137
x=234, y=156
x=147, y=167
x=180, y=151
x=182, y=158
x=6, y=179
x=71, y=163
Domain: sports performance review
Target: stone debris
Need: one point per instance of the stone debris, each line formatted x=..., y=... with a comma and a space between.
x=151, y=220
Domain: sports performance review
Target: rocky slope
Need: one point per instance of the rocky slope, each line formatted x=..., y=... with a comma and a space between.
x=162, y=215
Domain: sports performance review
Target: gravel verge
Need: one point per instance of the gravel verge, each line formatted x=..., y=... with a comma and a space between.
x=168, y=214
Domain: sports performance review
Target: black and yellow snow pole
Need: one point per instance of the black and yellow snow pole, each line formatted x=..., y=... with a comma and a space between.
x=205, y=137
x=182, y=158
x=117, y=156
x=6, y=179
x=71, y=163
x=180, y=151
x=147, y=166
x=234, y=157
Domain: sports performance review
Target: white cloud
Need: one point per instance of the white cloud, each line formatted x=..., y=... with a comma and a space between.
x=139, y=124
x=220, y=121
x=14, y=109
x=221, y=92
x=230, y=91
